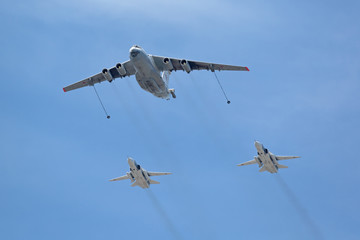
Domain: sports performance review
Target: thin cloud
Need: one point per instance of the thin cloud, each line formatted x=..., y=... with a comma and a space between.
x=186, y=13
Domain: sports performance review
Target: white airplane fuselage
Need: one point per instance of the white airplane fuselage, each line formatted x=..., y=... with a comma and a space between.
x=266, y=159
x=138, y=174
x=147, y=75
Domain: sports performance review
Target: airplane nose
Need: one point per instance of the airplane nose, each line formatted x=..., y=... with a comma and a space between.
x=130, y=160
x=258, y=145
x=134, y=52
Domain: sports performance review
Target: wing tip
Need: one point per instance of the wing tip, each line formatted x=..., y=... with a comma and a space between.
x=247, y=69
x=64, y=90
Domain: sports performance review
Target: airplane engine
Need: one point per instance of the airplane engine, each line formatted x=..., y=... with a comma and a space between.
x=107, y=75
x=120, y=68
x=130, y=176
x=168, y=64
x=258, y=161
x=185, y=65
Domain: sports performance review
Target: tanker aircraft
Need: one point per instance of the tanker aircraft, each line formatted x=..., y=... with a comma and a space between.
x=151, y=72
x=139, y=176
x=267, y=160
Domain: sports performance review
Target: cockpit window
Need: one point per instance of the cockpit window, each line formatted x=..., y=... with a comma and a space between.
x=134, y=53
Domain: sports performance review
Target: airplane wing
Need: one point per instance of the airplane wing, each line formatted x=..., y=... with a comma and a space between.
x=170, y=64
x=247, y=163
x=120, y=178
x=285, y=157
x=127, y=69
x=158, y=173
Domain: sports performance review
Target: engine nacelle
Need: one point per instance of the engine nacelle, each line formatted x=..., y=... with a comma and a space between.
x=130, y=176
x=107, y=75
x=168, y=64
x=185, y=65
x=120, y=68
x=258, y=161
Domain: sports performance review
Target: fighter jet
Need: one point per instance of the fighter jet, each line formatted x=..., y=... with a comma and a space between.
x=139, y=176
x=267, y=160
x=151, y=72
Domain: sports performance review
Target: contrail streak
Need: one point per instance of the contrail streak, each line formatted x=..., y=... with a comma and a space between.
x=299, y=208
x=163, y=214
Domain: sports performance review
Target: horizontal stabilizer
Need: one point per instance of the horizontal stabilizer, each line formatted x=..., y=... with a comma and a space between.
x=247, y=163
x=158, y=173
x=154, y=182
x=263, y=169
x=134, y=184
x=119, y=178
x=285, y=157
x=281, y=166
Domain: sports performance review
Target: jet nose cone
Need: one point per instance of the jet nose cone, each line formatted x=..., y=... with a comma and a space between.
x=257, y=144
x=130, y=160
x=134, y=52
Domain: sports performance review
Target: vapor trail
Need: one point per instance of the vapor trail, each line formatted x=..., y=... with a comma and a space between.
x=299, y=208
x=163, y=214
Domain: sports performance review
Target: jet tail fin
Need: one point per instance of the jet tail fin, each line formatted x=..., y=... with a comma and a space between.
x=154, y=182
x=281, y=166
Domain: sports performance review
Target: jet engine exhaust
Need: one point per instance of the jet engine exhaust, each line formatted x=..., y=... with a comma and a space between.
x=299, y=208
x=163, y=214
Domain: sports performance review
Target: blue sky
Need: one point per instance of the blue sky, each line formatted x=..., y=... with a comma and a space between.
x=301, y=97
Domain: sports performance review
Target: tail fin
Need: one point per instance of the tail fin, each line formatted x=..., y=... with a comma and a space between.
x=154, y=182
x=281, y=166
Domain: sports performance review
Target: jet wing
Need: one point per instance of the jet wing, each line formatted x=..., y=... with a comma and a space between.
x=247, y=163
x=163, y=65
x=285, y=157
x=120, y=178
x=100, y=77
x=158, y=173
